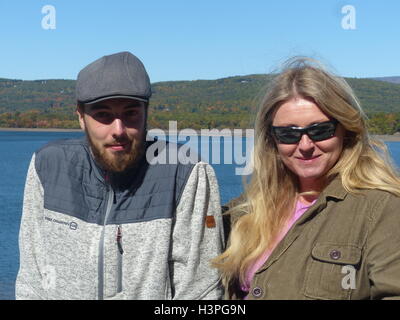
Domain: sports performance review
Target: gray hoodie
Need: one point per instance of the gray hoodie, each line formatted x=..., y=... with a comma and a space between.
x=149, y=234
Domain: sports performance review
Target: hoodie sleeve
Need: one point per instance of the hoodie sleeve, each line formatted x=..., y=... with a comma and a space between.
x=29, y=282
x=197, y=237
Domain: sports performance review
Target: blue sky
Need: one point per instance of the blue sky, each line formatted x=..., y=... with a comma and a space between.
x=203, y=39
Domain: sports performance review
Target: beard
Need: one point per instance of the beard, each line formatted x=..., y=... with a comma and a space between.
x=121, y=160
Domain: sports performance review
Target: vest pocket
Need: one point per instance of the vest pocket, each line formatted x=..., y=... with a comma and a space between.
x=332, y=271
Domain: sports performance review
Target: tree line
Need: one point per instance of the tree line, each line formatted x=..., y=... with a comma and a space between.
x=378, y=123
x=201, y=104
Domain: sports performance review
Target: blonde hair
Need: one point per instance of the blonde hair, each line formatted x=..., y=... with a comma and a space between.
x=269, y=198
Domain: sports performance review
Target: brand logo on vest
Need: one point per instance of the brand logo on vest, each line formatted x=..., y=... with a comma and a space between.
x=72, y=225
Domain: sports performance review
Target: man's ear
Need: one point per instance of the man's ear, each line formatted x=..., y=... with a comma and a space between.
x=80, y=113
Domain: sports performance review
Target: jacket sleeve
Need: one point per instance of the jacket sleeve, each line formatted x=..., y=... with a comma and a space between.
x=197, y=237
x=383, y=250
x=29, y=284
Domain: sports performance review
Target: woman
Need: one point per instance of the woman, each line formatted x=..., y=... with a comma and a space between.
x=320, y=217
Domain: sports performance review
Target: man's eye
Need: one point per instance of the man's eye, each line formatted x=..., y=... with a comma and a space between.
x=102, y=115
x=131, y=113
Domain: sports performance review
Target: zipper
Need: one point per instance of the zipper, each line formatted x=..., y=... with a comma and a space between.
x=110, y=201
x=119, y=240
x=120, y=253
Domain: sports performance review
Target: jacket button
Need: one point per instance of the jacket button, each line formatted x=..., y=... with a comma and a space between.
x=257, y=292
x=335, y=254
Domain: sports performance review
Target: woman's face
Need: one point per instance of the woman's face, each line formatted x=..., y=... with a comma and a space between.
x=309, y=160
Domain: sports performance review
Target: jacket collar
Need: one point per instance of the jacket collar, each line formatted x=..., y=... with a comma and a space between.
x=334, y=190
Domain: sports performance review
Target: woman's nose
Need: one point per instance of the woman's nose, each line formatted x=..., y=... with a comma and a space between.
x=305, y=143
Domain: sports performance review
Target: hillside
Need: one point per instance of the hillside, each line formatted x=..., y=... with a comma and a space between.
x=228, y=102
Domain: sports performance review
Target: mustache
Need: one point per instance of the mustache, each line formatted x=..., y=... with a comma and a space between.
x=119, y=140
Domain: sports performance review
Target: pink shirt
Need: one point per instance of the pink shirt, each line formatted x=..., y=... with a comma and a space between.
x=300, y=209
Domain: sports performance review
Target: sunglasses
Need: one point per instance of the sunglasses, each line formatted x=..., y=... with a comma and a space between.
x=316, y=132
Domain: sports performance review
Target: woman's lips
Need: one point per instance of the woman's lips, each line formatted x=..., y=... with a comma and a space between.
x=308, y=160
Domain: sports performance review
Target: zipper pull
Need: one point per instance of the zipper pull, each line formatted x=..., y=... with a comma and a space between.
x=119, y=238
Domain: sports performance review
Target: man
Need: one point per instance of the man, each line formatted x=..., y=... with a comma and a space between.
x=100, y=222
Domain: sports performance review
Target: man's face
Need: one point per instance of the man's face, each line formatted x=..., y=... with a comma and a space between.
x=116, y=131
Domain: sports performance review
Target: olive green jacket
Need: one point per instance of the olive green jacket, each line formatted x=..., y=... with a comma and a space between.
x=345, y=246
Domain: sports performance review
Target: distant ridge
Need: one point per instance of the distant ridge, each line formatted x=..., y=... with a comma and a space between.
x=388, y=79
x=230, y=102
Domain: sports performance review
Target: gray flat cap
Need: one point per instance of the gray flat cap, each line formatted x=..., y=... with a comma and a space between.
x=120, y=75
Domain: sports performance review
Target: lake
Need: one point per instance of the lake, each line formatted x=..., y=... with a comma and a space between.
x=16, y=149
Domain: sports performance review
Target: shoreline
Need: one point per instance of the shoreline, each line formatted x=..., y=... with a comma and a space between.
x=39, y=130
x=155, y=131
x=387, y=138
x=383, y=137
